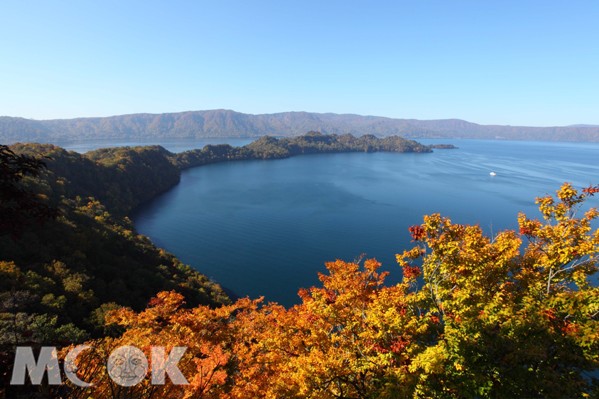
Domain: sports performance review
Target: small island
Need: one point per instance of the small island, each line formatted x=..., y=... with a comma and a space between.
x=443, y=147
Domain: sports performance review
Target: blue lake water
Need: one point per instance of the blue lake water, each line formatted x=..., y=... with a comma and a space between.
x=267, y=227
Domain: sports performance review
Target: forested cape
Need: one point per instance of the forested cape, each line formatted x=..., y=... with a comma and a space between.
x=512, y=315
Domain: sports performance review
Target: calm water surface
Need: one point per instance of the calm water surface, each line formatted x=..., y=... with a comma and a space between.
x=267, y=227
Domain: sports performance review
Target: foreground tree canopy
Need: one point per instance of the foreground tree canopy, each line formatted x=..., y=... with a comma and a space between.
x=513, y=315
x=509, y=316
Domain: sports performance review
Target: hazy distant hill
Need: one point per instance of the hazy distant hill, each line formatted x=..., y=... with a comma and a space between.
x=226, y=123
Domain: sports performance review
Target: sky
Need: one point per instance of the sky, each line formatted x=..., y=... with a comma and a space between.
x=533, y=63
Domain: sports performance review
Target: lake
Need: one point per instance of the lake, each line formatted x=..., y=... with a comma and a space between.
x=265, y=228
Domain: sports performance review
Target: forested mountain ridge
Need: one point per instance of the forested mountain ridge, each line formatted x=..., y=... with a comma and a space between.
x=227, y=123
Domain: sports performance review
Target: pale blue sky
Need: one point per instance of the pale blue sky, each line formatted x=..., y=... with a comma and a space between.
x=493, y=62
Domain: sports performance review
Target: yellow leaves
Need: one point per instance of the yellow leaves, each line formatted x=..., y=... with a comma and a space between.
x=122, y=317
x=564, y=248
x=473, y=315
x=166, y=324
x=9, y=271
x=431, y=361
x=527, y=226
x=209, y=370
x=591, y=214
x=567, y=193
x=569, y=199
x=371, y=265
x=464, y=268
x=546, y=206
x=410, y=254
x=168, y=300
x=350, y=333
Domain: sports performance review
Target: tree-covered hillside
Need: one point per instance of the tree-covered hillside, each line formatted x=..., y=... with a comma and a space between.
x=60, y=272
x=121, y=178
x=68, y=268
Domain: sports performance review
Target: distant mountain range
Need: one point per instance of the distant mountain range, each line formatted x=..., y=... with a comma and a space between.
x=227, y=123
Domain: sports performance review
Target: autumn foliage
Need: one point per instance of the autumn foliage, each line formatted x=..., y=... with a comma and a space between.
x=509, y=316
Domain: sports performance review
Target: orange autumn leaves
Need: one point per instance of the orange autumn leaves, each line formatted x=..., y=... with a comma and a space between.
x=514, y=315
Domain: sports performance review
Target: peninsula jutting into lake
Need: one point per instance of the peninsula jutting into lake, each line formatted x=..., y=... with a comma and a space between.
x=90, y=238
